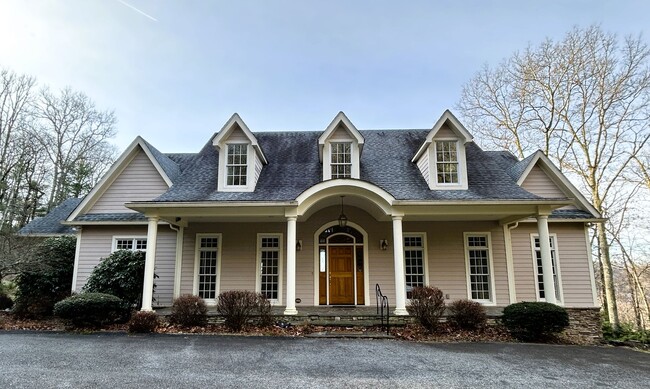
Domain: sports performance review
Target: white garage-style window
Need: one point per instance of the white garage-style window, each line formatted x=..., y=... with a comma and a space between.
x=414, y=261
x=478, y=263
x=133, y=243
x=539, y=272
x=269, y=266
x=207, y=265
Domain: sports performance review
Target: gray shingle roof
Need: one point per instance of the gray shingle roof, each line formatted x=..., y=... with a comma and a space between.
x=50, y=224
x=111, y=217
x=571, y=214
x=386, y=162
x=171, y=168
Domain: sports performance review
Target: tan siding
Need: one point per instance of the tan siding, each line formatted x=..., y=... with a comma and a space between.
x=539, y=183
x=137, y=182
x=237, y=135
x=445, y=132
x=573, y=263
x=258, y=167
x=423, y=165
x=341, y=133
x=97, y=242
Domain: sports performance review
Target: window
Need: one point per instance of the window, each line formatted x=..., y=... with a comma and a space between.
x=207, y=263
x=341, y=160
x=269, y=265
x=130, y=243
x=537, y=255
x=414, y=262
x=237, y=164
x=446, y=162
x=479, y=267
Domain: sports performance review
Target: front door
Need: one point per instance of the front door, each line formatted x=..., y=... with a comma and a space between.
x=341, y=272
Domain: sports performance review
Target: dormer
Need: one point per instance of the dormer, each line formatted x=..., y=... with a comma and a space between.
x=240, y=157
x=441, y=158
x=340, y=147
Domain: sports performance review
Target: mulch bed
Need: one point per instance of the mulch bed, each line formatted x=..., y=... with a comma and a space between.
x=445, y=332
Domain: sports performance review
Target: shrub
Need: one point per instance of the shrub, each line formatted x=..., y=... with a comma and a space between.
x=5, y=301
x=40, y=287
x=238, y=307
x=120, y=274
x=189, y=311
x=91, y=309
x=143, y=322
x=427, y=305
x=467, y=314
x=534, y=320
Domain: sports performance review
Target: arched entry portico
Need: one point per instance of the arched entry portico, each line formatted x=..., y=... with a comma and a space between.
x=341, y=265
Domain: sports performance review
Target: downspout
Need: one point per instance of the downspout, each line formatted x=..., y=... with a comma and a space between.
x=507, y=237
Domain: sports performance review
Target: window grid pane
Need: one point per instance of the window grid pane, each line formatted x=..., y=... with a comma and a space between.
x=237, y=164
x=414, y=263
x=540, y=271
x=134, y=244
x=479, y=267
x=341, y=160
x=269, y=267
x=446, y=162
x=208, y=257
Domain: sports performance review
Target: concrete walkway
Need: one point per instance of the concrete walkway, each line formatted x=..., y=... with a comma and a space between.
x=39, y=359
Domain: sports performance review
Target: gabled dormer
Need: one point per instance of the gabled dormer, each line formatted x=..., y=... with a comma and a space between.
x=240, y=157
x=441, y=158
x=340, y=147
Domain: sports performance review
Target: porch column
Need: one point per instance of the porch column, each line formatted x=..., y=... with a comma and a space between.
x=547, y=265
x=291, y=266
x=400, y=282
x=150, y=262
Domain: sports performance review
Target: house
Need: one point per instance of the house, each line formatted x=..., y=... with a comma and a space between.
x=319, y=218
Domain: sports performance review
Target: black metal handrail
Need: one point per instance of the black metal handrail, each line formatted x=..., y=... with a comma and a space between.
x=382, y=307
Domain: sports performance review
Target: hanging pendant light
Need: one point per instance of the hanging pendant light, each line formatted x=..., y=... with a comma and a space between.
x=343, y=220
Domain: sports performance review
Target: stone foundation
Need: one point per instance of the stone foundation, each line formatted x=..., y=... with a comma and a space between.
x=584, y=325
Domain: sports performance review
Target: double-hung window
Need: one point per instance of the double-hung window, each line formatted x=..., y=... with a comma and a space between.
x=237, y=164
x=414, y=261
x=130, y=243
x=207, y=265
x=479, y=267
x=269, y=254
x=341, y=160
x=537, y=254
x=446, y=162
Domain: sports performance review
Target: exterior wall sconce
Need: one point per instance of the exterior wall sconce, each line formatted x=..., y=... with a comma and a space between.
x=383, y=244
x=299, y=245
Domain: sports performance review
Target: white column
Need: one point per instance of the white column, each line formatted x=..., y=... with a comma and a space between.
x=291, y=267
x=147, y=288
x=547, y=265
x=400, y=282
x=178, y=267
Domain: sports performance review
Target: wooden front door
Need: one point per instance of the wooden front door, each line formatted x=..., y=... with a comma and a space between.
x=341, y=272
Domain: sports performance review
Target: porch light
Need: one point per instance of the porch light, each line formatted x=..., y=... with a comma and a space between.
x=299, y=245
x=383, y=244
x=343, y=220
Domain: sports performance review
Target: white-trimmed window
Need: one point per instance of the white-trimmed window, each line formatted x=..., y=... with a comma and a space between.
x=478, y=256
x=414, y=262
x=237, y=164
x=269, y=265
x=133, y=243
x=447, y=162
x=207, y=265
x=341, y=159
x=539, y=272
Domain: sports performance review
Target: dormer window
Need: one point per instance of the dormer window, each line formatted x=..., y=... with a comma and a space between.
x=341, y=162
x=446, y=162
x=237, y=165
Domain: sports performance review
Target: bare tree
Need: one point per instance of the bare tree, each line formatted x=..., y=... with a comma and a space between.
x=585, y=101
x=74, y=135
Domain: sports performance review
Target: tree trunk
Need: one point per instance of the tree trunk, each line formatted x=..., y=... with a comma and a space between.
x=608, y=277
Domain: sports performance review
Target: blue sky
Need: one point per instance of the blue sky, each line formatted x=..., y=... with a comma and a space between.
x=175, y=71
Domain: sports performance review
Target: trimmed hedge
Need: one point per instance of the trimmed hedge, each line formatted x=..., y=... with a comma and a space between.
x=92, y=310
x=5, y=301
x=238, y=307
x=189, y=311
x=467, y=314
x=534, y=320
x=427, y=305
x=143, y=322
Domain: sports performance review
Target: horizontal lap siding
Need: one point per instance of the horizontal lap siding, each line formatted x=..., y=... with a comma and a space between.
x=573, y=260
x=138, y=181
x=97, y=242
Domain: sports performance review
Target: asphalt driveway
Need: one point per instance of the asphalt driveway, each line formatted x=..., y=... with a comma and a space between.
x=39, y=360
